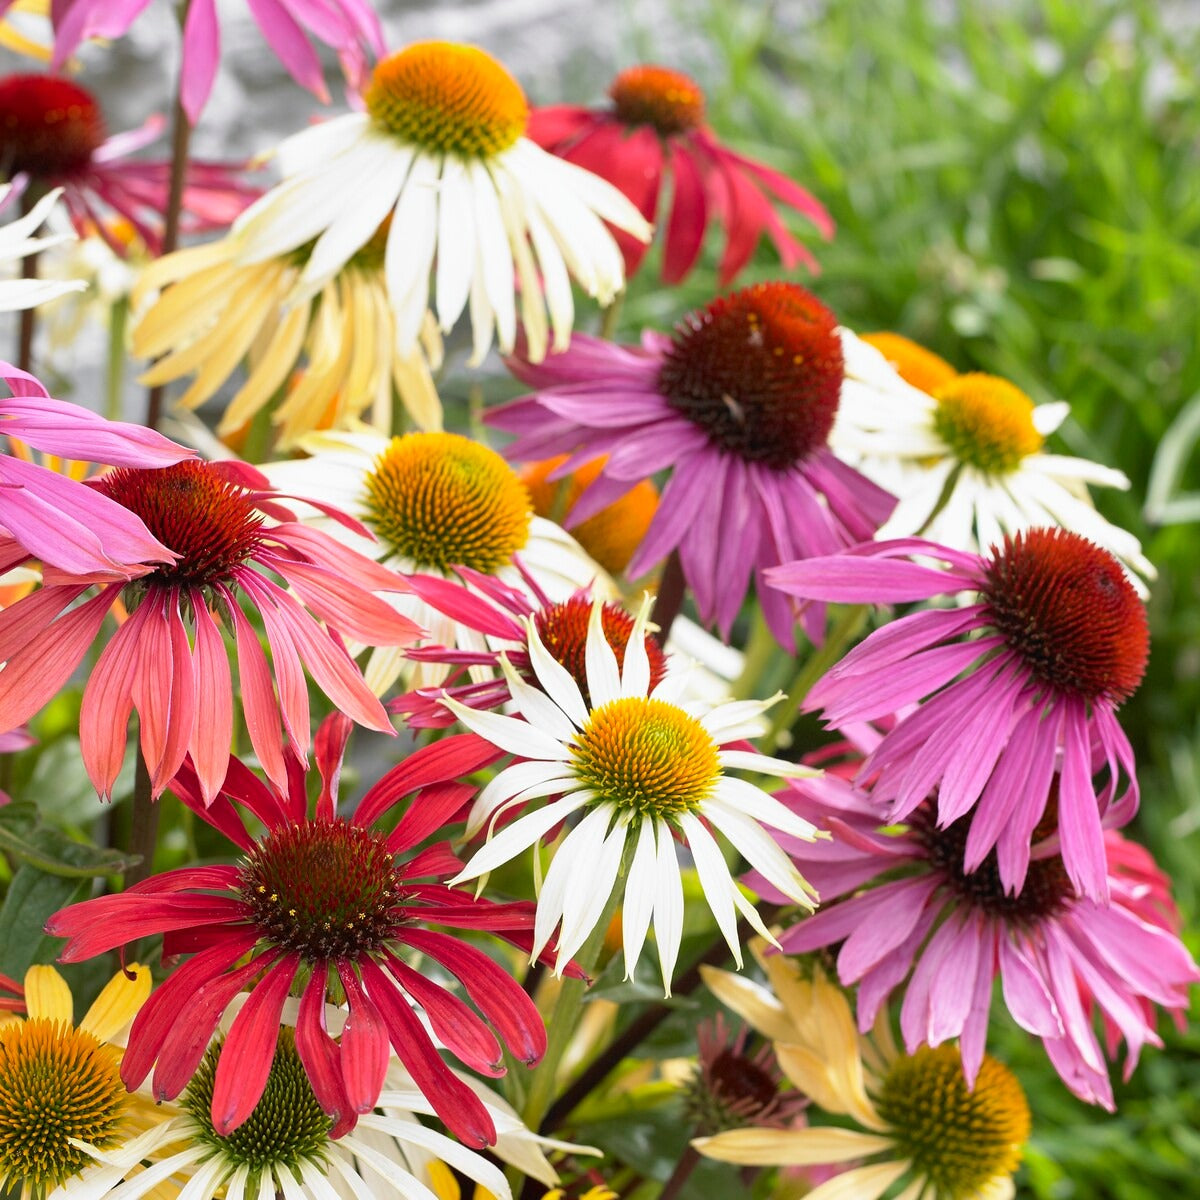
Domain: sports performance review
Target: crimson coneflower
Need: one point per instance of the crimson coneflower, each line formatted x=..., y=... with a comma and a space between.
x=738, y=404
x=1020, y=684
x=901, y=905
x=323, y=906
x=54, y=136
x=226, y=534
x=655, y=131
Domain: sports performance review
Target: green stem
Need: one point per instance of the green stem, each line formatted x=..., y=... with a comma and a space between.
x=565, y=1016
x=683, y=1168
x=761, y=650
x=144, y=832
x=114, y=379
x=849, y=624
x=671, y=589
x=611, y=317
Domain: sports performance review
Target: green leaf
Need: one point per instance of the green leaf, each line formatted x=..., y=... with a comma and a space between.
x=52, y=851
x=32, y=897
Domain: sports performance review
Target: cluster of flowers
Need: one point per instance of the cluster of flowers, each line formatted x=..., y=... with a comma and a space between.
x=309, y=1034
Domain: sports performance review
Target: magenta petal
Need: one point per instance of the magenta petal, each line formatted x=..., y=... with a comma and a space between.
x=201, y=53
x=291, y=47
x=1078, y=816
x=1025, y=995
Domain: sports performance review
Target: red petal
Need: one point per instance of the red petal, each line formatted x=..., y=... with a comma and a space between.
x=365, y=1050
x=432, y=808
x=320, y=1055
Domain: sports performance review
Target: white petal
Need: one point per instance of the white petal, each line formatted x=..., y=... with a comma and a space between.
x=456, y=242
x=760, y=850
x=744, y=797
x=715, y=880
x=668, y=904
x=536, y=707
x=510, y=782
x=558, y=682
x=411, y=243
x=600, y=663
x=640, y=889
x=520, y=835
x=635, y=673
x=509, y=734
x=494, y=254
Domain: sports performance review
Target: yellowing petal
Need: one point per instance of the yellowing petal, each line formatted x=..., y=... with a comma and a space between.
x=118, y=1002
x=791, y=1147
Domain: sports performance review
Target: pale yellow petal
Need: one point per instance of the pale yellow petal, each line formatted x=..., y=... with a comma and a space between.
x=752, y=1002
x=118, y=1002
x=48, y=996
x=812, y=1074
x=791, y=1147
x=186, y=310
x=271, y=371
x=178, y=265
x=860, y=1183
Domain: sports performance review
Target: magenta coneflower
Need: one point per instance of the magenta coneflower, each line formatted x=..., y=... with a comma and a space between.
x=323, y=907
x=561, y=627
x=56, y=519
x=655, y=131
x=228, y=534
x=1027, y=677
x=54, y=137
x=738, y=404
x=950, y=931
x=348, y=26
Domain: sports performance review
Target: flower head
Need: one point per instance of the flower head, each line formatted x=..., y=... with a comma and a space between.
x=213, y=312
x=226, y=534
x=966, y=455
x=902, y=904
x=324, y=907
x=1020, y=684
x=55, y=137
x=441, y=148
x=739, y=403
x=433, y=503
x=639, y=770
x=62, y=1103
x=349, y=27
x=655, y=132
x=912, y=1117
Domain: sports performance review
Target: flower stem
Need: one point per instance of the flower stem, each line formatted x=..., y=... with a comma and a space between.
x=143, y=834
x=611, y=317
x=848, y=626
x=683, y=1168
x=181, y=133
x=114, y=380
x=640, y=1028
x=28, y=320
x=565, y=1016
x=668, y=602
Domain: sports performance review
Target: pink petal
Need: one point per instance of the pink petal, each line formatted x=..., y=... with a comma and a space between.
x=291, y=47
x=689, y=215
x=213, y=734
x=201, y=53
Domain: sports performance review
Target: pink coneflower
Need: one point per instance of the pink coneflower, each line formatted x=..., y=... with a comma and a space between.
x=739, y=404
x=950, y=931
x=348, y=26
x=323, y=906
x=52, y=135
x=1056, y=640
x=562, y=630
x=56, y=519
x=228, y=534
x=655, y=131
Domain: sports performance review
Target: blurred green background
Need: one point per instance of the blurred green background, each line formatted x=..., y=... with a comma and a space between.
x=1017, y=186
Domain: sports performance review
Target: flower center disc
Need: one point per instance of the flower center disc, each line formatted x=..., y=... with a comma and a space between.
x=648, y=756
x=1066, y=607
x=191, y=508
x=959, y=1139
x=56, y=1083
x=325, y=890
x=441, y=500
x=448, y=98
x=563, y=629
x=666, y=100
x=1047, y=885
x=911, y=361
x=986, y=422
x=287, y=1128
x=48, y=126
x=760, y=371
